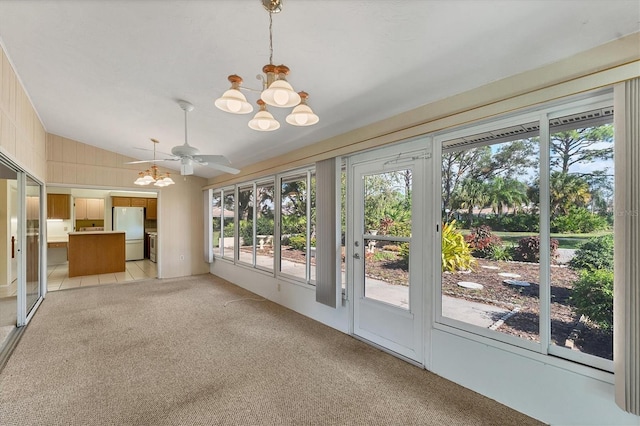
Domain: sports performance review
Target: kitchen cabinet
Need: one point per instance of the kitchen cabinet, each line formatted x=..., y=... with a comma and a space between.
x=58, y=206
x=89, y=208
x=152, y=208
x=138, y=202
x=121, y=201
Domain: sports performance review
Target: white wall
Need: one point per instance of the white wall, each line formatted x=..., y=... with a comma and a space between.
x=297, y=297
x=550, y=393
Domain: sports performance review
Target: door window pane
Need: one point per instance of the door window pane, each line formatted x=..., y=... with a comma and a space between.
x=387, y=214
x=34, y=230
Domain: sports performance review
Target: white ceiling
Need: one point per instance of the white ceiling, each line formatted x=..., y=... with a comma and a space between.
x=109, y=72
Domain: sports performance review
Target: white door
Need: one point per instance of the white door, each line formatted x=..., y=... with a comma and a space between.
x=387, y=203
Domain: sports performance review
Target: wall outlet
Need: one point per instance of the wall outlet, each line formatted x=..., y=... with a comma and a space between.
x=278, y=286
x=182, y=257
x=65, y=228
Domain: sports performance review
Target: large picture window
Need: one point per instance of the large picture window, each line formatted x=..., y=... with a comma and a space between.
x=527, y=231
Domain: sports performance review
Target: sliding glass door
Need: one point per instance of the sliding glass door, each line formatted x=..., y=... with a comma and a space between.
x=21, y=262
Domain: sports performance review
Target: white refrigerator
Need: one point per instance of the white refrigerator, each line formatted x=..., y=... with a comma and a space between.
x=131, y=221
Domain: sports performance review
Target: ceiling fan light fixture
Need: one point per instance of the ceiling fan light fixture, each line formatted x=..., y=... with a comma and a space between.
x=152, y=175
x=263, y=121
x=302, y=115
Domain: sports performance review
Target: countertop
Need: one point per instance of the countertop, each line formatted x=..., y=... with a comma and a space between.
x=96, y=232
x=58, y=239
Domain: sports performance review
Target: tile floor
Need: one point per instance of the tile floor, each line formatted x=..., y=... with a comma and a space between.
x=58, y=275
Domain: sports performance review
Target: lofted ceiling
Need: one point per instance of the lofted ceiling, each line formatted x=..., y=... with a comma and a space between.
x=109, y=73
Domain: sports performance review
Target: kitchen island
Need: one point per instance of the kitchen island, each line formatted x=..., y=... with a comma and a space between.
x=98, y=252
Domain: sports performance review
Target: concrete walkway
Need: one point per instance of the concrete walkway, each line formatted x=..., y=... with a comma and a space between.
x=480, y=314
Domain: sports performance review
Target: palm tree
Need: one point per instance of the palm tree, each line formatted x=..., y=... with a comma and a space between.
x=506, y=192
x=567, y=191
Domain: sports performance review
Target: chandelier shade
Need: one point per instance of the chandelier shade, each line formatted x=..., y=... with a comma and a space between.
x=276, y=91
x=263, y=121
x=233, y=100
x=302, y=115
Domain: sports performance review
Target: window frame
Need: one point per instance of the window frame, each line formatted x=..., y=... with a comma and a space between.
x=542, y=115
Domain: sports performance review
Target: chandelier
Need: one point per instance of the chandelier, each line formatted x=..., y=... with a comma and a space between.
x=276, y=91
x=152, y=176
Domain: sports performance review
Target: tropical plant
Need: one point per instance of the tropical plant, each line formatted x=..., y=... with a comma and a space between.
x=456, y=254
x=594, y=254
x=593, y=297
x=505, y=192
x=481, y=241
x=567, y=191
x=501, y=253
x=528, y=249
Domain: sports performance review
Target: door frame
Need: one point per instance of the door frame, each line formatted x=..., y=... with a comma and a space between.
x=415, y=152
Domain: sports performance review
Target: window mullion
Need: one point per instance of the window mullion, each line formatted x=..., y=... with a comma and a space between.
x=545, y=237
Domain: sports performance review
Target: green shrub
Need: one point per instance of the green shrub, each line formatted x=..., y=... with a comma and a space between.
x=578, y=220
x=595, y=253
x=481, y=241
x=528, y=249
x=299, y=242
x=593, y=297
x=456, y=254
x=246, y=232
x=501, y=253
x=228, y=230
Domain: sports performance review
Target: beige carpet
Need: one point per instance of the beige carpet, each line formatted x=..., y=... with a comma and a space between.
x=188, y=352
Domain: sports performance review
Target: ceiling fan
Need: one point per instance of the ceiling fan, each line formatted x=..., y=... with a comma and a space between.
x=190, y=156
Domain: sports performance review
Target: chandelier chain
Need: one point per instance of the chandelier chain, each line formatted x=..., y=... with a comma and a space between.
x=271, y=38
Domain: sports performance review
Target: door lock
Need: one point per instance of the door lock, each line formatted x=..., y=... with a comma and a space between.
x=356, y=256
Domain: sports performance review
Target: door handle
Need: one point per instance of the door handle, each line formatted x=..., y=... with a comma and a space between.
x=356, y=256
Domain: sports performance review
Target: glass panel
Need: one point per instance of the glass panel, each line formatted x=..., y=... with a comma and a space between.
x=387, y=212
x=8, y=252
x=311, y=248
x=265, y=225
x=245, y=222
x=490, y=215
x=33, y=243
x=386, y=272
x=293, y=225
x=216, y=218
x=228, y=242
x=581, y=214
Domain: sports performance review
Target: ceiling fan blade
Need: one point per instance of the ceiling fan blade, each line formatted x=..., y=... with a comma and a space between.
x=150, y=150
x=152, y=161
x=217, y=159
x=219, y=162
x=223, y=168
